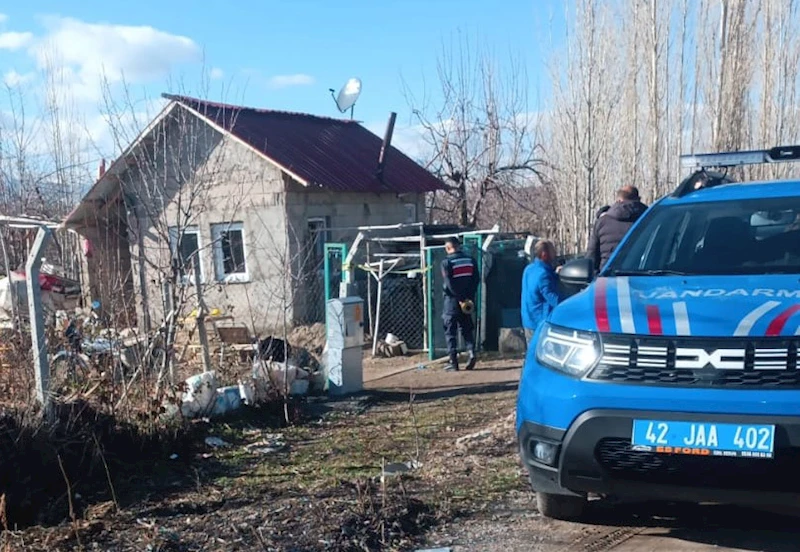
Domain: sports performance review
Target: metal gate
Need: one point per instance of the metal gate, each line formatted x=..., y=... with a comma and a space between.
x=335, y=254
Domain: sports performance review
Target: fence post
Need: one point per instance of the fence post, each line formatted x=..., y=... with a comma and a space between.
x=36, y=312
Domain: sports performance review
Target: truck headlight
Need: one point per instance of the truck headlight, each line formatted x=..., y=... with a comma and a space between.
x=568, y=351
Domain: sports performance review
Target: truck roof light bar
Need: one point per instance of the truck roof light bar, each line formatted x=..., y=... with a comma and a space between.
x=780, y=154
x=700, y=179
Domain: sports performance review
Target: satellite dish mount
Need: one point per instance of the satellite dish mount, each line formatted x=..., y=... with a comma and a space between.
x=348, y=95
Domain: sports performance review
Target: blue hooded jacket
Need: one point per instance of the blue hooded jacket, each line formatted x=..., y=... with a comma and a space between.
x=539, y=293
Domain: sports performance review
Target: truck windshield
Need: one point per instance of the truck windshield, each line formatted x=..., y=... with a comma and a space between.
x=760, y=236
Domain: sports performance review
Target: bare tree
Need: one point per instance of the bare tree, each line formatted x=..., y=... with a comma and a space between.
x=482, y=139
x=586, y=115
x=624, y=110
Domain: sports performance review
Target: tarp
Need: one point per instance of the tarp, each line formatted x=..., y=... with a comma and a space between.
x=57, y=294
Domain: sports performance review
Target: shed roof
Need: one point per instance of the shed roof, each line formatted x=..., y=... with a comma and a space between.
x=331, y=153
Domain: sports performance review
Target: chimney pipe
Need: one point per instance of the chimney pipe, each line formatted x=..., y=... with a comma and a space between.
x=387, y=141
x=102, y=170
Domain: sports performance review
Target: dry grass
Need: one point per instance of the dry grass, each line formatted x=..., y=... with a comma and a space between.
x=322, y=491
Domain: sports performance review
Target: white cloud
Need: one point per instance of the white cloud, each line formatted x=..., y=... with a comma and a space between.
x=216, y=73
x=140, y=52
x=88, y=52
x=13, y=79
x=284, y=81
x=14, y=40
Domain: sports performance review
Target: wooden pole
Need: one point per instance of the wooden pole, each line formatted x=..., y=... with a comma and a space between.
x=201, y=319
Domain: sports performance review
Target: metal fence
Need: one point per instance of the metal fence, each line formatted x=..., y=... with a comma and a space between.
x=411, y=297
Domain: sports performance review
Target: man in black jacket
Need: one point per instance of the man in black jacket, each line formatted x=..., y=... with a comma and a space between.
x=460, y=273
x=611, y=227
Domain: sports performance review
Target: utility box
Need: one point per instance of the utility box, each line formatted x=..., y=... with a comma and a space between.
x=345, y=344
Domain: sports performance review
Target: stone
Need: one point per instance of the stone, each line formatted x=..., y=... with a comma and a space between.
x=512, y=341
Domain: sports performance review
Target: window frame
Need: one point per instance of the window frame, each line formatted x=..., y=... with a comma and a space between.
x=410, y=209
x=323, y=233
x=217, y=229
x=175, y=250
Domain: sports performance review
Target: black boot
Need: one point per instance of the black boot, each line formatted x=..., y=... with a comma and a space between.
x=452, y=366
x=471, y=362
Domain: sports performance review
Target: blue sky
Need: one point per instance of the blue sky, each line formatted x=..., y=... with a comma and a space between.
x=273, y=54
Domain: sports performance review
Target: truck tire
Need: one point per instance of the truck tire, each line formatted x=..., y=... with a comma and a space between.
x=563, y=507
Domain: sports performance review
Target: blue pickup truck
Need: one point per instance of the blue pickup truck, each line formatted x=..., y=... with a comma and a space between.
x=673, y=374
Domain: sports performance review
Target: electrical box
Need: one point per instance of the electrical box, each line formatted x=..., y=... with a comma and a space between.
x=345, y=319
x=344, y=349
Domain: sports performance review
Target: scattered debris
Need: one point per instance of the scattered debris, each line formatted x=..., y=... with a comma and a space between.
x=511, y=341
x=500, y=433
x=200, y=394
x=472, y=437
x=299, y=387
x=247, y=392
x=279, y=375
x=397, y=468
x=216, y=442
x=271, y=443
x=392, y=346
x=228, y=400
x=273, y=349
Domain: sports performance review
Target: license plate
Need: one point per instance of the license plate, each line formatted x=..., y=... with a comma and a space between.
x=704, y=439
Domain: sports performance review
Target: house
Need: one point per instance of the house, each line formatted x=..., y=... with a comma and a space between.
x=247, y=196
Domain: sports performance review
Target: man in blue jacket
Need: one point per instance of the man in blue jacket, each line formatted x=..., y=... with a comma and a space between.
x=539, y=288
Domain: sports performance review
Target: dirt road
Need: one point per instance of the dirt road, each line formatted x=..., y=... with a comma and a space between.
x=513, y=524
x=516, y=526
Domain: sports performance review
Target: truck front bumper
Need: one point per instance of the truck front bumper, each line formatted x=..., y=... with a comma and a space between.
x=594, y=455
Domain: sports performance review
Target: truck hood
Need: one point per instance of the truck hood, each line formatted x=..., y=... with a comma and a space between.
x=707, y=306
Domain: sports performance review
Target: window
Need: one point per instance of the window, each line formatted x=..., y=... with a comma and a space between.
x=184, y=244
x=757, y=236
x=411, y=212
x=317, y=236
x=230, y=263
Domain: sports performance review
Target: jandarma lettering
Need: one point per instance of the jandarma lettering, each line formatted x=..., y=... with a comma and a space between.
x=692, y=293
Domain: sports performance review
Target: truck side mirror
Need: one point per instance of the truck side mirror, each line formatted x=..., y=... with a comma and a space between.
x=575, y=276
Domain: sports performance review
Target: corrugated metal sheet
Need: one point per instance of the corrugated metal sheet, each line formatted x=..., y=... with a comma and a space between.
x=335, y=154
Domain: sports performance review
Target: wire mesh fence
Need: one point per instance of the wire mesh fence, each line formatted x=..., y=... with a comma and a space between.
x=402, y=311
x=410, y=302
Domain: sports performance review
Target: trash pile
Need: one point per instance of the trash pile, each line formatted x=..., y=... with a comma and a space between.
x=392, y=346
x=203, y=397
x=58, y=293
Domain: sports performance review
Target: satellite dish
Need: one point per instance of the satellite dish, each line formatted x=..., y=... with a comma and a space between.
x=348, y=95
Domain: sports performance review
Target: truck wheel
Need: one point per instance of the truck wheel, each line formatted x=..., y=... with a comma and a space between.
x=563, y=507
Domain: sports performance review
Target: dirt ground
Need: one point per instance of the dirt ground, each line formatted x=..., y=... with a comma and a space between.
x=422, y=459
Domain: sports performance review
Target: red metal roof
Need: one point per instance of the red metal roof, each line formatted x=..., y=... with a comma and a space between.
x=332, y=153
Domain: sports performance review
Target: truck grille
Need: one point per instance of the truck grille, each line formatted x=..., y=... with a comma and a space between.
x=695, y=362
x=621, y=461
